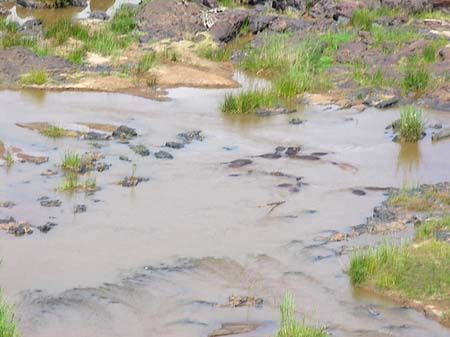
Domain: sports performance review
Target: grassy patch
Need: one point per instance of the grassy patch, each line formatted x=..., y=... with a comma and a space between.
x=397, y=34
x=123, y=21
x=37, y=77
x=411, y=123
x=71, y=182
x=215, y=53
x=53, y=132
x=419, y=271
x=421, y=199
x=7, y=323
x=64, y=29
x=247, y=101
x=290, y=326
x=416, y=76
x=363, y=18
x=71, y=162
x=146, y=62
x=428, y=229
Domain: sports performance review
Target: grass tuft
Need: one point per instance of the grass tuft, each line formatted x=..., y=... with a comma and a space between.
x=53, y=131
x=71, y=162
x=34, y=77
x=290, y=327
x=7, y=323
x=416, y=76
x=123, y=21
x=411, y=123
x=247, y=101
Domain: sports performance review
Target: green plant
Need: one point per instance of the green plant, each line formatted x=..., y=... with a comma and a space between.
x=9, y=159
x=70, y=182
x=71, y=161
x=37, y=77
x=146, y=62
x=215, y=53
x=362, y=18
x=411, y=123
x=76, y=55
x=247, y=101
x=53, y=131
x=123, y=20
x=64, y=29
x=428, y=229
x=7, y=322
x=416, y=76
x=290, y=327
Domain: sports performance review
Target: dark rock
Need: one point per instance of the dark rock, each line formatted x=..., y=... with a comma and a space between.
x=175, y=145
x=229, y=24
x=124, y=158
x=234, y=329
x=276, y=110
x=381, y=101
x=4, y=11
x=350, y=52
x=132, y=181
x=443, y=235
x=319, y=154
x=47, y=227
x=47, y=202
x=238, y=163
x=307, y=157
x=189, y=136
x=124, y=132
x=80, y=209
x=163, y=155
x=21, y=229
x=16, y=61
x=211, y=3
x=245, y=301
x=296, y=121
x=358, y=192
x=101, y=167
x=140, y=149
x=439, y=98
x=170, y=18
x=292, y=151
x=99, y=15
x=7, y=204
x=275, y=155
x=95, y=136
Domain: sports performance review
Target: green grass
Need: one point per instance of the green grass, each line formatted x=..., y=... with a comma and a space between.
x=420, y=199
x=420, y=272
x=248, y=101
x=34, y=77
x=146, y=62
x=71, y=161
x=217, y=54
x=69, y=183
x=64, y=29
x=9, y=159
x=123, y=21
x=416, y=76
x=77, y=55
x=53, y=132
x=290, y=327
x=12, y=39
x=7, y=322
x=428, y=229
x=399, y=35
x=363, y=18
x=411, y=123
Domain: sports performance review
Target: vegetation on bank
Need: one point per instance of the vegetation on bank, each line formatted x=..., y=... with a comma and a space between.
x=421, y=199
x=71, y=182
x=290, y=326
x=34, y=77
x=418, y=270
x=7, y=322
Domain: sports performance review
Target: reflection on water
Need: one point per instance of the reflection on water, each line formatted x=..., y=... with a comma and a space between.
x=408, y=160
x=50, y=16
x=37, y=96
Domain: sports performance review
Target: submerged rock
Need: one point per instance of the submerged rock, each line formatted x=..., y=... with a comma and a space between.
x=238, y=163
x=381, y=101
x=174, y=145
x=276, y=110
x=47, y=227
x=17, y=229
x=7, y=204
x=140, y=149
x=80, y=209
x=296, y=121
x=189, y=136
x=47, y=202
x=124, y=132
x=132, y=181
x=235, y=328
x=163, y=155
x=245, y=301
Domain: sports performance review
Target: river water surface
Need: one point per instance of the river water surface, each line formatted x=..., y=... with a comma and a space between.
x=160, y=259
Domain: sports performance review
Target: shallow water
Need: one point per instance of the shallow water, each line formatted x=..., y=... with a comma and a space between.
x=153, y=260
x=50, y=16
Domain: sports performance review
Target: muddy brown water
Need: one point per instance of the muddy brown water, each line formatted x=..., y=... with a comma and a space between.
x=50, y=16
x=156, y=259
